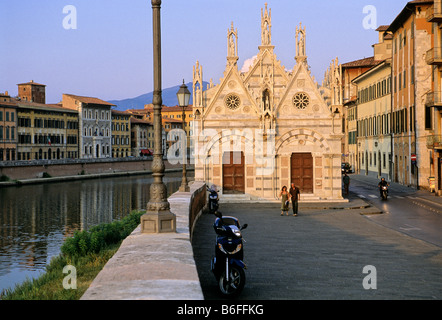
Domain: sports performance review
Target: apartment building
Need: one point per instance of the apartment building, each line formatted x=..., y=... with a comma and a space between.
x=412, y=80
x=95, y=125
x=374, y=121
x=121, y=134
x=433, y=102
x=8, y=129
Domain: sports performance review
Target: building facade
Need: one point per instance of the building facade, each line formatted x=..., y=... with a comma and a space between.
x=412, y=80
x=267, y=127
x=8, y=130
x=95, y=125
x=32, y=92
x=46, y=132
x=121, y=134
x=374, y=121
x=142, y=137
x=433, y=101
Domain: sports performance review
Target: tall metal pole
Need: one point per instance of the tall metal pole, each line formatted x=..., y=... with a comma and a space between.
x=158, y=217
x=184, y=185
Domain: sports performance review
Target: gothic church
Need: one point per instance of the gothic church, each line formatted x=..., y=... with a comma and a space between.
x=260, y=130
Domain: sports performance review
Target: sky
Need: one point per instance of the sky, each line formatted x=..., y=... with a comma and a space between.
x=103, y=48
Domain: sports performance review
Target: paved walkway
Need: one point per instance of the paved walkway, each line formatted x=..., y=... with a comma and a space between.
x=321, y=254
x=152, y=266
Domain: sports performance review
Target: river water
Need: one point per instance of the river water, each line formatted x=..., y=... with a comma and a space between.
x=36, y=219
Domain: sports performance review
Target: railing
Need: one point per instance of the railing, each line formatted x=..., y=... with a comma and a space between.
x=434, y=142
x=434, y=56
x=434, y=13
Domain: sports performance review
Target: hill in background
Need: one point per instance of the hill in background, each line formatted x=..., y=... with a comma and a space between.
x=168, y=95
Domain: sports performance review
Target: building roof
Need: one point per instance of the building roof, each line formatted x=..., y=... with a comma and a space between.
x=406, y=13
x=365, y=62
x=149, y=107
x=385, y=62
x=119, y=112
x=31, y=83
x=89, y=100
x=139, y=121
x=382, y=28
x=42, y=106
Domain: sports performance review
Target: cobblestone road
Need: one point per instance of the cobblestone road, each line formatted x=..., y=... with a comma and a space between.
x=320, y=254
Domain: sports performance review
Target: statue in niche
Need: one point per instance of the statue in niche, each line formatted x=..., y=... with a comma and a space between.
x=266, y=100
x=198, y=98
x=267, y=125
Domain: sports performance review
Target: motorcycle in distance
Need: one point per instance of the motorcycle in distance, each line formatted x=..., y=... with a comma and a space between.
x=384, y=192
x=227, y=265
x=213, y=199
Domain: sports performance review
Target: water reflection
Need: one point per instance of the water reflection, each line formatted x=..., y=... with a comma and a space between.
x=35, y=220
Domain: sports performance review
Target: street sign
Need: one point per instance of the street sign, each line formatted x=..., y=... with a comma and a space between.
x=413, y=157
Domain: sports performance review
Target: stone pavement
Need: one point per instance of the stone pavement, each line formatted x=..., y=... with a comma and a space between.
x=321, y=254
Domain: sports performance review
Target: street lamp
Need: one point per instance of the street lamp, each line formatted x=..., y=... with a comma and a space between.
x=183, y=96
x=158, y=218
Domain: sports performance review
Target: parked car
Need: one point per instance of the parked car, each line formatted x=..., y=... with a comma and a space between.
x=346, y=167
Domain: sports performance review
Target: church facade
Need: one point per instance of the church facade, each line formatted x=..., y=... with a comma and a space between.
x=260, y=130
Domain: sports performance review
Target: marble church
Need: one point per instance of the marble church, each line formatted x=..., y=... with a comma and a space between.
x=265, y=128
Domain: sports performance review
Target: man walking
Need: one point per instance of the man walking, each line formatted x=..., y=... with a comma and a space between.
x=346, y=180
x=295, y=196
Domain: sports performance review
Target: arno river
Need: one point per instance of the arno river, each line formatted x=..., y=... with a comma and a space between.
x=36, y=219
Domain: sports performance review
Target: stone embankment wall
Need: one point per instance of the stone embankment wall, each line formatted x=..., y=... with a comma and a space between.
x=23, y=170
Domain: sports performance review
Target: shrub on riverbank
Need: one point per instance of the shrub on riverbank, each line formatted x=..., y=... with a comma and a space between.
x=88, y=251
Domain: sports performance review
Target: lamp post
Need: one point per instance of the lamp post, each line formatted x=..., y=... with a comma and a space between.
x=158, y=218
x=183, y=96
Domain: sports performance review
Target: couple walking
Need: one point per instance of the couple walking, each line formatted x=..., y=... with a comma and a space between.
x=294, y=195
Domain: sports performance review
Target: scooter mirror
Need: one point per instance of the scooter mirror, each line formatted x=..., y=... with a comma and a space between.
x=244, y=226
x=218, y=214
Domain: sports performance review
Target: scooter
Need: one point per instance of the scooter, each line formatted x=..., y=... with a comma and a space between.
x=227, y=265
x=384, y=192
x=213, y=200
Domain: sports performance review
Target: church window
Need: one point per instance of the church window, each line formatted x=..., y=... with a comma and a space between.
x=232, y=101
x=301, y=100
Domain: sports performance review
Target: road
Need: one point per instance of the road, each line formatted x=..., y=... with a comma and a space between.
x=321, y=253
x=413, y=212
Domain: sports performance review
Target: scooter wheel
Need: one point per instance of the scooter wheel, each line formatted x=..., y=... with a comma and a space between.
x=235, y=285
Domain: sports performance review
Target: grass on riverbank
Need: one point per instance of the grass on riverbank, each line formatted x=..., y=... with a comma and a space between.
x=87, y=251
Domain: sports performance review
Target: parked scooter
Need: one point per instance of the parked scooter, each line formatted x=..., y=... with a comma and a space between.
x=227, y=265
x=213, y=199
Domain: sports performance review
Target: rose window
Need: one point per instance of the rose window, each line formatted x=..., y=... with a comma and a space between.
x=301, y=100
x=232, y=101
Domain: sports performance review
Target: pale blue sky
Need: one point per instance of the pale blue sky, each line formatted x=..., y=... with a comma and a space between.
x=109, y=55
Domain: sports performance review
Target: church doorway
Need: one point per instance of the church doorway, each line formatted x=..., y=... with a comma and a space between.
x=233, y=173
x=302, y=171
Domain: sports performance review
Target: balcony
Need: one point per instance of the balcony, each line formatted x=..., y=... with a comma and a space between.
x=434, y=99
x=434, y=13
x=434, y=142
x=434, y=56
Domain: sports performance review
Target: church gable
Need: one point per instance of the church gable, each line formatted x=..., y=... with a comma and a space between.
x=231, y=99
x=302, y=97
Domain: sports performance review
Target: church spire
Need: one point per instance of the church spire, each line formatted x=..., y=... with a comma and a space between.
x=232, y=45
x=301, y=55
x=266, y=26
